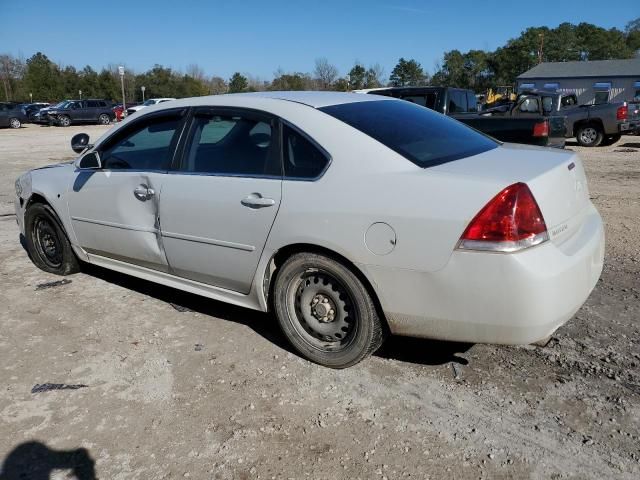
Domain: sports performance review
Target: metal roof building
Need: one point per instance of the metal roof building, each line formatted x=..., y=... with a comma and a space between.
x=598, y=81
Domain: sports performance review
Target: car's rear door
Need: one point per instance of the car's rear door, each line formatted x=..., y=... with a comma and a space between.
x=114, y=210
x=217, y=207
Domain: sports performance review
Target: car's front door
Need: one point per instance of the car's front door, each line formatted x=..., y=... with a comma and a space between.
x=114, y=210
x=218, y=206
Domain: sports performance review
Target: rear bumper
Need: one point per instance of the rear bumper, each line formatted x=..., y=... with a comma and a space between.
x=495, y=298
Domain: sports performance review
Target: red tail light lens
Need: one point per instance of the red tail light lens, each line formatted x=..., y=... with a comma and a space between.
x=622, y=112
x=541, y=129
x=510, y=222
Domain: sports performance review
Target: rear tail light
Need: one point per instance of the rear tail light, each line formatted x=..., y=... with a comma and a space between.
x=511, y=221
x=622, y=112
x=541, y=129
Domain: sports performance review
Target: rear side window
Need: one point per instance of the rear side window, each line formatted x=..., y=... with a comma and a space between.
x=234, y=145
x=92, y=104
x=472, y=102
x=302, y=159
x=422, y=136
x=457, y=101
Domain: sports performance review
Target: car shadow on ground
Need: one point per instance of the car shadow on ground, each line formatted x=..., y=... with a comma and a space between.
x=35, y=461
x=405, y=349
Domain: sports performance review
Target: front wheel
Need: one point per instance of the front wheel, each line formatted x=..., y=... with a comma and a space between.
x=589, y=136
x=104, y=119
x=15, y=123
x=47, y=243
x=64, y=120
x=325, y=311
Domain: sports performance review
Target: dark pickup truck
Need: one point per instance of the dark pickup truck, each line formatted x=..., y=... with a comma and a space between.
x=461, y=104
x=591, y=125
x=78, y=111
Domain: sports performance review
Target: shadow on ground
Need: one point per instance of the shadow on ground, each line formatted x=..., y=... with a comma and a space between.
x=412, y=350
x=35, y=461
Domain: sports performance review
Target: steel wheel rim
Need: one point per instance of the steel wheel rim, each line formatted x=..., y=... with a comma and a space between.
x=47, y=243
x=589, y=135
x=315, y=325
x=65, y=121
x=104, y=119
x=15, y=123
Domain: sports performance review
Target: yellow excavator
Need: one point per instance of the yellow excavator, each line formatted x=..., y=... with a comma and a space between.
x=501, y=94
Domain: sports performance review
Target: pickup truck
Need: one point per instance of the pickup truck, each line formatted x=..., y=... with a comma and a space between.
x=461, y=104
x=633, y=111
x=78, y=111
x=591, y=125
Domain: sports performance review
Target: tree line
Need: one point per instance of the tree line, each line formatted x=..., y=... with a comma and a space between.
x=40, y=78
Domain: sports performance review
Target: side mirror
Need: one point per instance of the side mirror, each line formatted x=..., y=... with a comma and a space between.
x=91, y=161
x=80, y=142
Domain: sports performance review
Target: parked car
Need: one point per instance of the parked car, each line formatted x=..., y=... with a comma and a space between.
x=347, y=215
x=148, y=103
x=30, y=109
x=12, y=115
x=591, y=125
x=78, y=111
x=461, y=104
x=117, y=109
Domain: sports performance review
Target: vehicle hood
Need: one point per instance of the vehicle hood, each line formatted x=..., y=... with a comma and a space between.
x=67, y=164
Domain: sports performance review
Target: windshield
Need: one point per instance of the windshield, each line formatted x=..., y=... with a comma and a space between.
x=422, y=136
x=149, y=102
x=58, y=105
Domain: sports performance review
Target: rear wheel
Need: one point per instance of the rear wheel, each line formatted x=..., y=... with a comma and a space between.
x=104, y=119
x=610, y=140
x=47, y=243
x=15, y=122
x=64, y=120
x=589, y=135
x=325, y=311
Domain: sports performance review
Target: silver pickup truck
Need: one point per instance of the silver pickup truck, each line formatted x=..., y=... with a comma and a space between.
x=591, y=125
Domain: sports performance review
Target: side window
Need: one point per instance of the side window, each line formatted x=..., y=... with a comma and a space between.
x=457, y=102
x=92, y=104
x=568, y=101
x=530, y=105
x=547, y=104
x=147, y=147
x=472, y=102
x=302, y=159
x=231, y=145
x=102, y=104
x=601, y=97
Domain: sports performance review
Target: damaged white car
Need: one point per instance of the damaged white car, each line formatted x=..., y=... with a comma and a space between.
x=349, y=216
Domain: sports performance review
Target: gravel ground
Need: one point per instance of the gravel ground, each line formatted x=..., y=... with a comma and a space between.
x=170, y=385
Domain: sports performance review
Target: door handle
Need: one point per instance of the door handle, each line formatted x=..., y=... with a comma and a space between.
x=255, y=200
x=143, y=193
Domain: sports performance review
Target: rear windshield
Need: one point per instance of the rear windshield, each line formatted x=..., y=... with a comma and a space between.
x=422, y=136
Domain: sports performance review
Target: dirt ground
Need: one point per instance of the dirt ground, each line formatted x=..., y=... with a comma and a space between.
x=170, y=385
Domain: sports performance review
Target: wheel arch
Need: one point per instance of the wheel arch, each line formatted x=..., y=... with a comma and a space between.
x=596, y=122
x=283, y=253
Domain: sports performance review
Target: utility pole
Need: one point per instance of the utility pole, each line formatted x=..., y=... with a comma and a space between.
x=143, y=89
x=80, y=93
x=541, y=35
x=124, y=105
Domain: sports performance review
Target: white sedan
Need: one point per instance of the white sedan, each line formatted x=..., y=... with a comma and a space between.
x=147, y=103
x=349, y=216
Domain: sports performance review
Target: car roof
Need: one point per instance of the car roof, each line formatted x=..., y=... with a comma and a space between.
x=313, y=99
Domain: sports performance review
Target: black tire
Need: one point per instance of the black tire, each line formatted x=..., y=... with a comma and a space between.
x=15, y=122
x=104, y=119
x=610, y=140
x=589, y=135
x=325, y=311
x=64, y=120
x=47, y=243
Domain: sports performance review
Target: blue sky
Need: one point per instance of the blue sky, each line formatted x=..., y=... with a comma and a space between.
x=258, y=37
